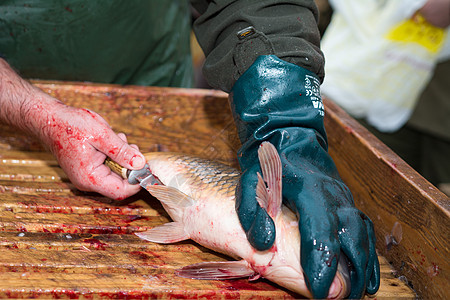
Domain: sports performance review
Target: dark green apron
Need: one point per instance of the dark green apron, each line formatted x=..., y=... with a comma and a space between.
x=124, y=42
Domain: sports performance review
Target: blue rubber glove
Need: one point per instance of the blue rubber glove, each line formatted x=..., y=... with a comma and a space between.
x=280, y=102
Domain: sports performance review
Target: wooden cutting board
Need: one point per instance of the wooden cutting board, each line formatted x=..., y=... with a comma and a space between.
x=58, y=242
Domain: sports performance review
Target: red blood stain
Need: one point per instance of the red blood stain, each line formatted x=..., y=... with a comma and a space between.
x=141, y=255
x=131, y=162
x=134, y=206
x=130, y=295
x=348, y=129
x=96, y=243
x=132, y=218
x=57, y=230
x=77, y=228
x=90, y=112
x=59, y=145
x=59, y=294
x=242, y=284
x=433, y=270
x=153, y=254
x=113, y=150
x=119, y=198
x=92, y=179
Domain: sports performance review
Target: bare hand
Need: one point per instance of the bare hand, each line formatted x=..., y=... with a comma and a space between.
x=80, y=140
x=437, y=12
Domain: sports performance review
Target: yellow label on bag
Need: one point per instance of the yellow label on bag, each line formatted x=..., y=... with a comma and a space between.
x=418, y=30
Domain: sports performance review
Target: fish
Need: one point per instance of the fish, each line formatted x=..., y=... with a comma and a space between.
x=199, y=196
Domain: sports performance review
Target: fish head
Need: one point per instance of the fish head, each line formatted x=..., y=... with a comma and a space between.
x=281, y=264
x=284, y=267
x=291, y=278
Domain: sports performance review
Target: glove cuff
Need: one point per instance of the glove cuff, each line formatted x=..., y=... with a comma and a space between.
x=272, y=100
x=273, y=94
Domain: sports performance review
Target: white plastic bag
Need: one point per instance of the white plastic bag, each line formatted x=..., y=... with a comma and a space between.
x=379, y=58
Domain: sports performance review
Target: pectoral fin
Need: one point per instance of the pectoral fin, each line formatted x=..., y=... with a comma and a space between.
x=270, y=162
x=165, y=234
x=262, y=195
x=173, y=200
x=170, y=196
x=219, y=270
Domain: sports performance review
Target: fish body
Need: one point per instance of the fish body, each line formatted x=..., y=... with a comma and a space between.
x=199, y=196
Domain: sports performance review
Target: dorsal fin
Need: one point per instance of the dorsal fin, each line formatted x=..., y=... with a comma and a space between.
x=271, y=168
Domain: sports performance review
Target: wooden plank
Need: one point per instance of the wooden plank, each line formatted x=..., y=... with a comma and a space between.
x=33, y=187
x=129, y=286
x=86, y=241
x=77, y=223
x=56, y=241
x=101, y=259
x=30, y=166
x=146, y=263
x=98, y=254
x=389, y=192
x=391, y=286
x=192, y=121
x=27, y=158
x=16, y=198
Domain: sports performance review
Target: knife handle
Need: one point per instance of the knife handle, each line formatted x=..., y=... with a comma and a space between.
x=116, y=168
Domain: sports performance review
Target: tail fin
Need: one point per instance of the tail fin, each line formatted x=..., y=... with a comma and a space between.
x=269, y=197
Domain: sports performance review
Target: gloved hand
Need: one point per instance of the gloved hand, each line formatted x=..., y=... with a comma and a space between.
x=80, y=140
x=280, y=102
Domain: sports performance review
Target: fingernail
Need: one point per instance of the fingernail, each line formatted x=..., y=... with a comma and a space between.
x=137, y=161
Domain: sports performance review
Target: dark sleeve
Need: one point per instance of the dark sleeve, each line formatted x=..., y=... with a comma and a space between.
x=287, y=29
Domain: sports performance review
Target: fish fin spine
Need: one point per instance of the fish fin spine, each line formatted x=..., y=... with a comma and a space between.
x=220, y=270
x=272, y=171
x=165, y=234
x=261, y=193
x=170, y=196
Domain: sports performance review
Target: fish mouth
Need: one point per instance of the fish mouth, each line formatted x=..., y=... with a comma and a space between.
x=287, y=277
x=341, y=287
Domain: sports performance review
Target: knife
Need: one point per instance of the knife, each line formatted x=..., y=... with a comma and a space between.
x=143, y=177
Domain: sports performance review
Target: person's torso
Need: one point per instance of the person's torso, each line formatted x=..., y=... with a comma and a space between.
x=432, y=113
x=124, y=42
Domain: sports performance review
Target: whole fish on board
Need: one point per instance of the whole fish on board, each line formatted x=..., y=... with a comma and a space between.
x=199, y=196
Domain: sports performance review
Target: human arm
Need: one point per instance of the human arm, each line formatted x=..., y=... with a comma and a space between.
x=437, y=12
x=79, y=138
x=273, y=72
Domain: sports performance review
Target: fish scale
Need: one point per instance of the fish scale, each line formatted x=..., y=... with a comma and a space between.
x=217, y=176
x=199, y=196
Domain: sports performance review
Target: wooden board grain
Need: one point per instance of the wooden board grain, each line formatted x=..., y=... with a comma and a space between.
x=193, y=121
x=58, y=242
x=392, y=194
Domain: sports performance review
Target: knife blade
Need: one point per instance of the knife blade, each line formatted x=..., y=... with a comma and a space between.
x=143, y=177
